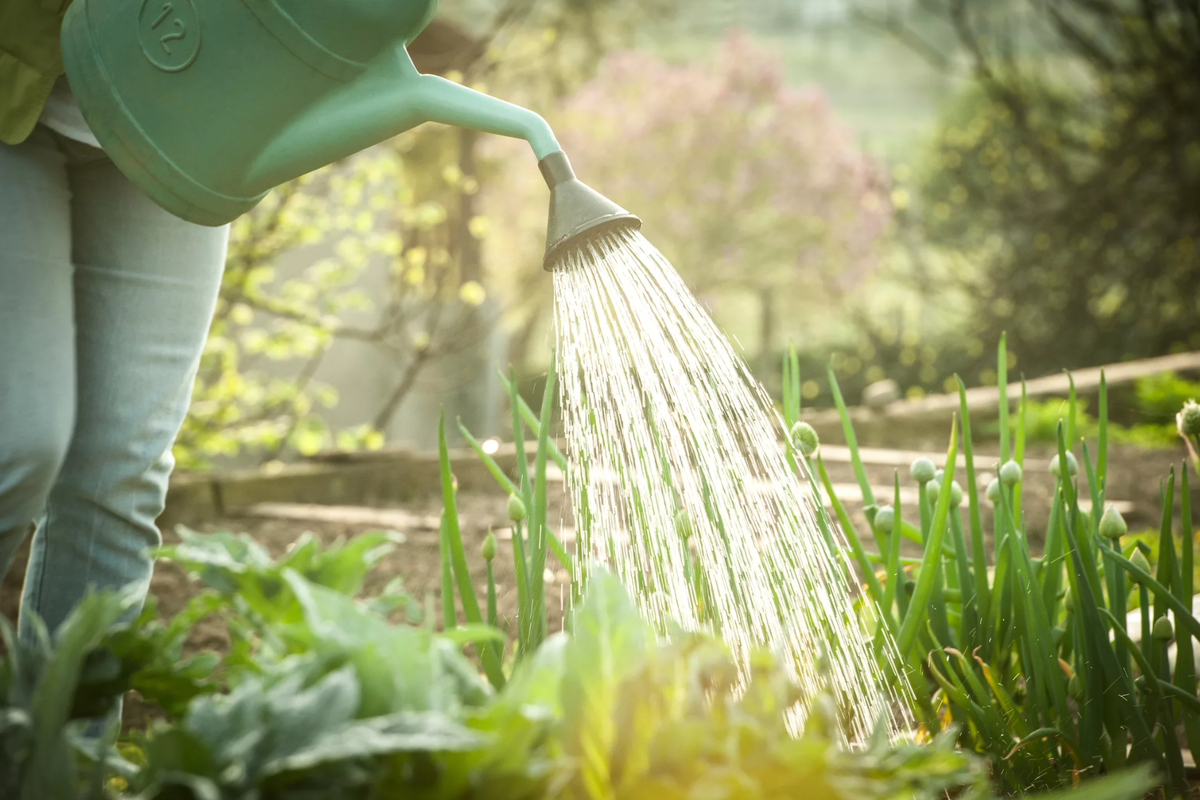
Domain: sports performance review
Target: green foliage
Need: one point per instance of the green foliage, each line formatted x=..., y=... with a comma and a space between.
x=262, y=318
x=667, y=720
x=770, y=202
x=399, y=275
x=146, y=655
x=287, y=732
x=1159, y=397
x=1156, y=401
x=1030, y=657
x=357, y=707
x=238, y=569
x=1058, y=172
x=42, y=689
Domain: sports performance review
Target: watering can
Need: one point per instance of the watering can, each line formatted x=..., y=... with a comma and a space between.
x=206, y=105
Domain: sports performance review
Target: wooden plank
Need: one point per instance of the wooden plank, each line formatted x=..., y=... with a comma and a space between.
x=1086, y=380
x=985, y=398
x=391, y=518
x=881, y=457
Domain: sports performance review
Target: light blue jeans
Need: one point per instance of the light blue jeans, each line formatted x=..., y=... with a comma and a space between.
x=105, y=303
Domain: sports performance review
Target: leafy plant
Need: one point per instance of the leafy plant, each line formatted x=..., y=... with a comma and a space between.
x=1159, y=397
x=325, y=694
x=665, y=719
x=358, y=707
x=323, y=697
x=146, y=655
x=239, y=569
x=40, y=684
x=285, y=732
x=1028, y=653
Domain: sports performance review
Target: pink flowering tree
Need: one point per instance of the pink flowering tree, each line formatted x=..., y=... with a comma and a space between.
x=747, y=185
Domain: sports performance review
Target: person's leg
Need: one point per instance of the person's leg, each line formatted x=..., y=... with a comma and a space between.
x=37, y=336
x=146, y=284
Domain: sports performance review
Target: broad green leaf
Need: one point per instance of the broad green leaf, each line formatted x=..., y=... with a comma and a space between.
x=49, y=766
x=610, y=641
x=406, y=731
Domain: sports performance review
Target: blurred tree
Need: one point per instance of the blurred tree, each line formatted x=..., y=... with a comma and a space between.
x=402, y=220
x=1069, y=173
x=386, y=223
x=748, y=186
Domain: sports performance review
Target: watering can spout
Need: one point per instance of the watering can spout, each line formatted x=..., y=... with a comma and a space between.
x=390, y=97
x=578, y=213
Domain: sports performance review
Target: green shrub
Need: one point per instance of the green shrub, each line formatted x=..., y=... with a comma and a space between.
x=1156, y=402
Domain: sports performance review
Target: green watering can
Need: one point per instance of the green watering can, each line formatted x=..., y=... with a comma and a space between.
x=208, y=104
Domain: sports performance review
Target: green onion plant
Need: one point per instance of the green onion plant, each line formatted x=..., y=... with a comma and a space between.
x=532, y=539
x=1026, y=650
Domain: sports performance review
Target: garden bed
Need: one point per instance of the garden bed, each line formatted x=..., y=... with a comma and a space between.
x=1135, y=481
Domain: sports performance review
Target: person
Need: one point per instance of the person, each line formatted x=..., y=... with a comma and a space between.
x=105, y=304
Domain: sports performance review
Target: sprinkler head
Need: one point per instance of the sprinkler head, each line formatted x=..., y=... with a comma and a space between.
x=578, y=213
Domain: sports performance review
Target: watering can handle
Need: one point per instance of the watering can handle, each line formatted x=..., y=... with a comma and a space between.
x=390, y=97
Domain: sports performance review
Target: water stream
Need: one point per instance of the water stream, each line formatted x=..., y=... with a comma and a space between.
x=681, y=483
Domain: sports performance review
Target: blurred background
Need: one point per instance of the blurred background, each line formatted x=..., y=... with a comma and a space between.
x=887, y=184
